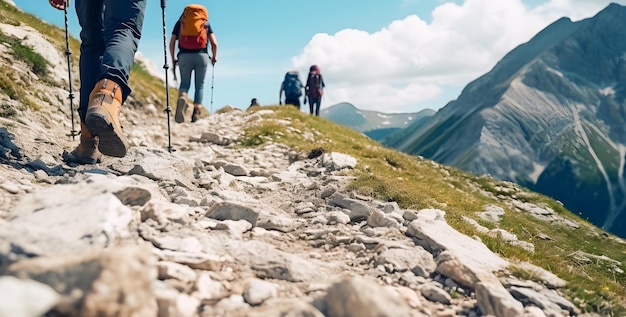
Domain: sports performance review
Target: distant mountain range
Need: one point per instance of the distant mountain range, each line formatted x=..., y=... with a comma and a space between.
x=551, y=115
x=376, y=125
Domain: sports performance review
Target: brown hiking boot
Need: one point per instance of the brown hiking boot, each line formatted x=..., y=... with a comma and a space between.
x=196, y=114
x=105, y=102
x=87, y=151
x=181, y=110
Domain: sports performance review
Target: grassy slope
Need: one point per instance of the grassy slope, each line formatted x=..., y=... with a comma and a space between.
x=417, y=183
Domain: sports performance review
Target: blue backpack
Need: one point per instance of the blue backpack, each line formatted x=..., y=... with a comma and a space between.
x=292, y=85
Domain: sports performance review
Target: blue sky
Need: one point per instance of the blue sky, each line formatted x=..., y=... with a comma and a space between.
x=382, y=55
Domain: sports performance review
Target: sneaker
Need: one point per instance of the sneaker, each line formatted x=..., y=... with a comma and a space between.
x=181, y=109
x=196, y=115
x=102, y=120
x=87, y=151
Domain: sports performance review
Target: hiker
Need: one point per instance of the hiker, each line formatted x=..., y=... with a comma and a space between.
x=109, y=40
x=193, y=33
x=254, y=104
x=314, y=90
x=292, y=86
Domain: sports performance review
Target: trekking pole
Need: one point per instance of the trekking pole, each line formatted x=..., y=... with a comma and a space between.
x=212, y=85
x=168, y=109
x=68, y=54
x=174, y=73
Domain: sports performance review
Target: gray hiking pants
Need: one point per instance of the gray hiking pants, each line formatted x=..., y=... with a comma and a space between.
x=110, y=33
x=198, y=63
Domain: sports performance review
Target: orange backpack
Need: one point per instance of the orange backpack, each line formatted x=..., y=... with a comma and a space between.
x=193, y=31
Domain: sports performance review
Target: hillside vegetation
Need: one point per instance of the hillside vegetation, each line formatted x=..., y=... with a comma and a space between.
x=590, y=259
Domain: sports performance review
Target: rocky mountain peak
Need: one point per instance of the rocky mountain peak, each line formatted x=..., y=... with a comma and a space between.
x=612, y=11
x=548, y=116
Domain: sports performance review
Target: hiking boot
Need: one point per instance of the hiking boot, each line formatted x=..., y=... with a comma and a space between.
x=181, y=110
x=87, y=151
x=196, y=114
x=105, y=102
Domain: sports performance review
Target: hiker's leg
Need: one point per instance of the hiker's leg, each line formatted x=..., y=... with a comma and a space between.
x=293, y=101
x=197, y=108
x=202, y=63
x=185, y=66
x=89, y=13
x=311, y=107
x=123, y=20
x=121, y=30
x=318, y=105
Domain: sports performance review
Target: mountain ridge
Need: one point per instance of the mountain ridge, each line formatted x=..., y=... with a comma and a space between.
x=377, y=125
x=544, y=112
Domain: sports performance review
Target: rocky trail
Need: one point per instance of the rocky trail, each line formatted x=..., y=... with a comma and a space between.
x=215, y=229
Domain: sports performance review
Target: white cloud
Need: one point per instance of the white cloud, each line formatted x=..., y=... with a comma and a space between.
x=575, y=9
x=403, y=66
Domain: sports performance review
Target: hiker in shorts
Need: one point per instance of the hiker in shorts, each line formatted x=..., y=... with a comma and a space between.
x=109, y=40
x=193, y=57
x=314, y=90
x=293, y=88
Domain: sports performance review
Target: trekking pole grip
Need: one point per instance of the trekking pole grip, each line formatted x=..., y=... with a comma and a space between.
x=163, y=3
